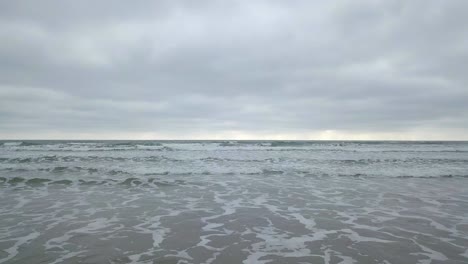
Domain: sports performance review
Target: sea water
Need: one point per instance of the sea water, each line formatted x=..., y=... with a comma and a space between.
x=233, y=202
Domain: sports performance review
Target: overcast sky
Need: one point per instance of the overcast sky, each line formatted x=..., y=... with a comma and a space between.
x=364, y=69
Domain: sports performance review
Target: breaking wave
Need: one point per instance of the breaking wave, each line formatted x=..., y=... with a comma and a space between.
x=130, y=181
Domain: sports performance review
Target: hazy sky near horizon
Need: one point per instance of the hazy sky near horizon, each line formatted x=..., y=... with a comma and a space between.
x=367, y=69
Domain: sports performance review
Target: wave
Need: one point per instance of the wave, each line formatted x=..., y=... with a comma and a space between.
x=130, y=181
x=73, y=170
x=216, y=159
x=289, y=143
x=91, y=158
x=20, y=143
x=68, y=169
x=82, y=146
x=227, y=146
x=280, y=143
x=13, y=143
x=363, y=175
x=86, y=172
x=432, y=176
x=162, y=158
x=129, y=148
x=271, y=172
x=391, y=161
x=423, y=151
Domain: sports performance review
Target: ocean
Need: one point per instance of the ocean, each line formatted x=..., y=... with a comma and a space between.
x=233, y=202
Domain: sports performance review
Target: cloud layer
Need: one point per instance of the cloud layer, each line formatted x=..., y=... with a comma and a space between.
x=234, y=69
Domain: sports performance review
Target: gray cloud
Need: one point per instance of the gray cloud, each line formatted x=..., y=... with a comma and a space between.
x=210, y=69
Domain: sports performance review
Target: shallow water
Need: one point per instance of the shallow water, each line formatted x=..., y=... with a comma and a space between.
x=233, y=202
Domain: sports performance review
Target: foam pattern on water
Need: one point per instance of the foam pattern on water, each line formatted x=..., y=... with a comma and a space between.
x=233, y=202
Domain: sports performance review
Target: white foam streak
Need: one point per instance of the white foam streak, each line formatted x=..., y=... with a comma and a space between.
x=20, y=241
